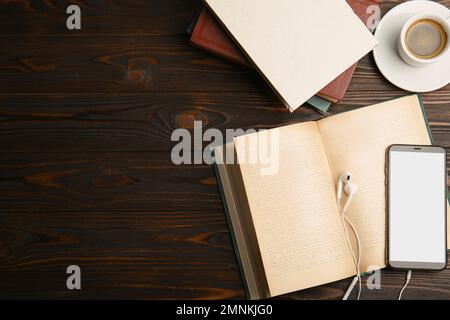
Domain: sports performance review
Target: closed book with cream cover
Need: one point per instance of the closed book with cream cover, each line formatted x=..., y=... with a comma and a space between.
x=298, y=46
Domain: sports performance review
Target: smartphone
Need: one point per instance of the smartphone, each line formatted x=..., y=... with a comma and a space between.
x=417, y=208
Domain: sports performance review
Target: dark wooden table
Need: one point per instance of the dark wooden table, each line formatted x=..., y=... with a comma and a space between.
x=85, y=171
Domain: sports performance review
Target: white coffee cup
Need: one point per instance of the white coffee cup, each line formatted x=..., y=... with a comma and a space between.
x=406, y=54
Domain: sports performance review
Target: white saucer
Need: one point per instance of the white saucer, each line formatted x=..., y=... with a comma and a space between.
x=393, y=68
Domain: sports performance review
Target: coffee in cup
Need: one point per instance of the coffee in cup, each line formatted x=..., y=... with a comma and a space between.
x=424, y=39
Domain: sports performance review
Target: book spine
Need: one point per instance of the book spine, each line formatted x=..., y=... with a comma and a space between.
x=430, y=132
x=231, y=232
x=427, y=123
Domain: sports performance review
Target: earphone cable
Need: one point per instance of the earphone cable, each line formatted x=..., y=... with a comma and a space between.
x=355, y=262
x=408, y=278
x=356, y=258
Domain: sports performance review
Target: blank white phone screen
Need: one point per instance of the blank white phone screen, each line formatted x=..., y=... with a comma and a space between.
x=417, y=207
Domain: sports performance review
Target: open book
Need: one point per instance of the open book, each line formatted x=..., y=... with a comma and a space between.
x=286, y=225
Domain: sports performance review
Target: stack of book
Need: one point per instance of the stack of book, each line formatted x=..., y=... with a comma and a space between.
x=210, y=34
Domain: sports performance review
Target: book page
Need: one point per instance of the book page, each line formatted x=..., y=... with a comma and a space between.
x=294, y=211
x=358, y=141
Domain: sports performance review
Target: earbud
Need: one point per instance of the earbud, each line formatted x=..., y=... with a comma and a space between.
x=344, y=178
x=350, y=189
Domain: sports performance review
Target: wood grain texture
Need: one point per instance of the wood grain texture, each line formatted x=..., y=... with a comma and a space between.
x=115, y=64
x=119, y=252
x=145, y=122
x=105, y=181
x=99, y=17
x=85, y=171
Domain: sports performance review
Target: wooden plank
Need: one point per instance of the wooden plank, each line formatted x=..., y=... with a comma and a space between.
x=131, y=17
x=116, y=64
x=161, y=253
x=128, y=122
x=423, y=286
x=152, y=255
x=389, y=4
x=100, y=17
x=145, y=122
x=136, y=64
x=106, y=181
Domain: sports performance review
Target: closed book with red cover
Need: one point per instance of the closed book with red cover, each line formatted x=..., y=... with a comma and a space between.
x=210, y=36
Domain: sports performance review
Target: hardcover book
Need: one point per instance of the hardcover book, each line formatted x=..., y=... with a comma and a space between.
x=286, y=226
x=210, y=36
x=207, y=34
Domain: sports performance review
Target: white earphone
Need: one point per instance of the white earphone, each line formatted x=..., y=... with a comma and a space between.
x=344, y=178
x=350, y=189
